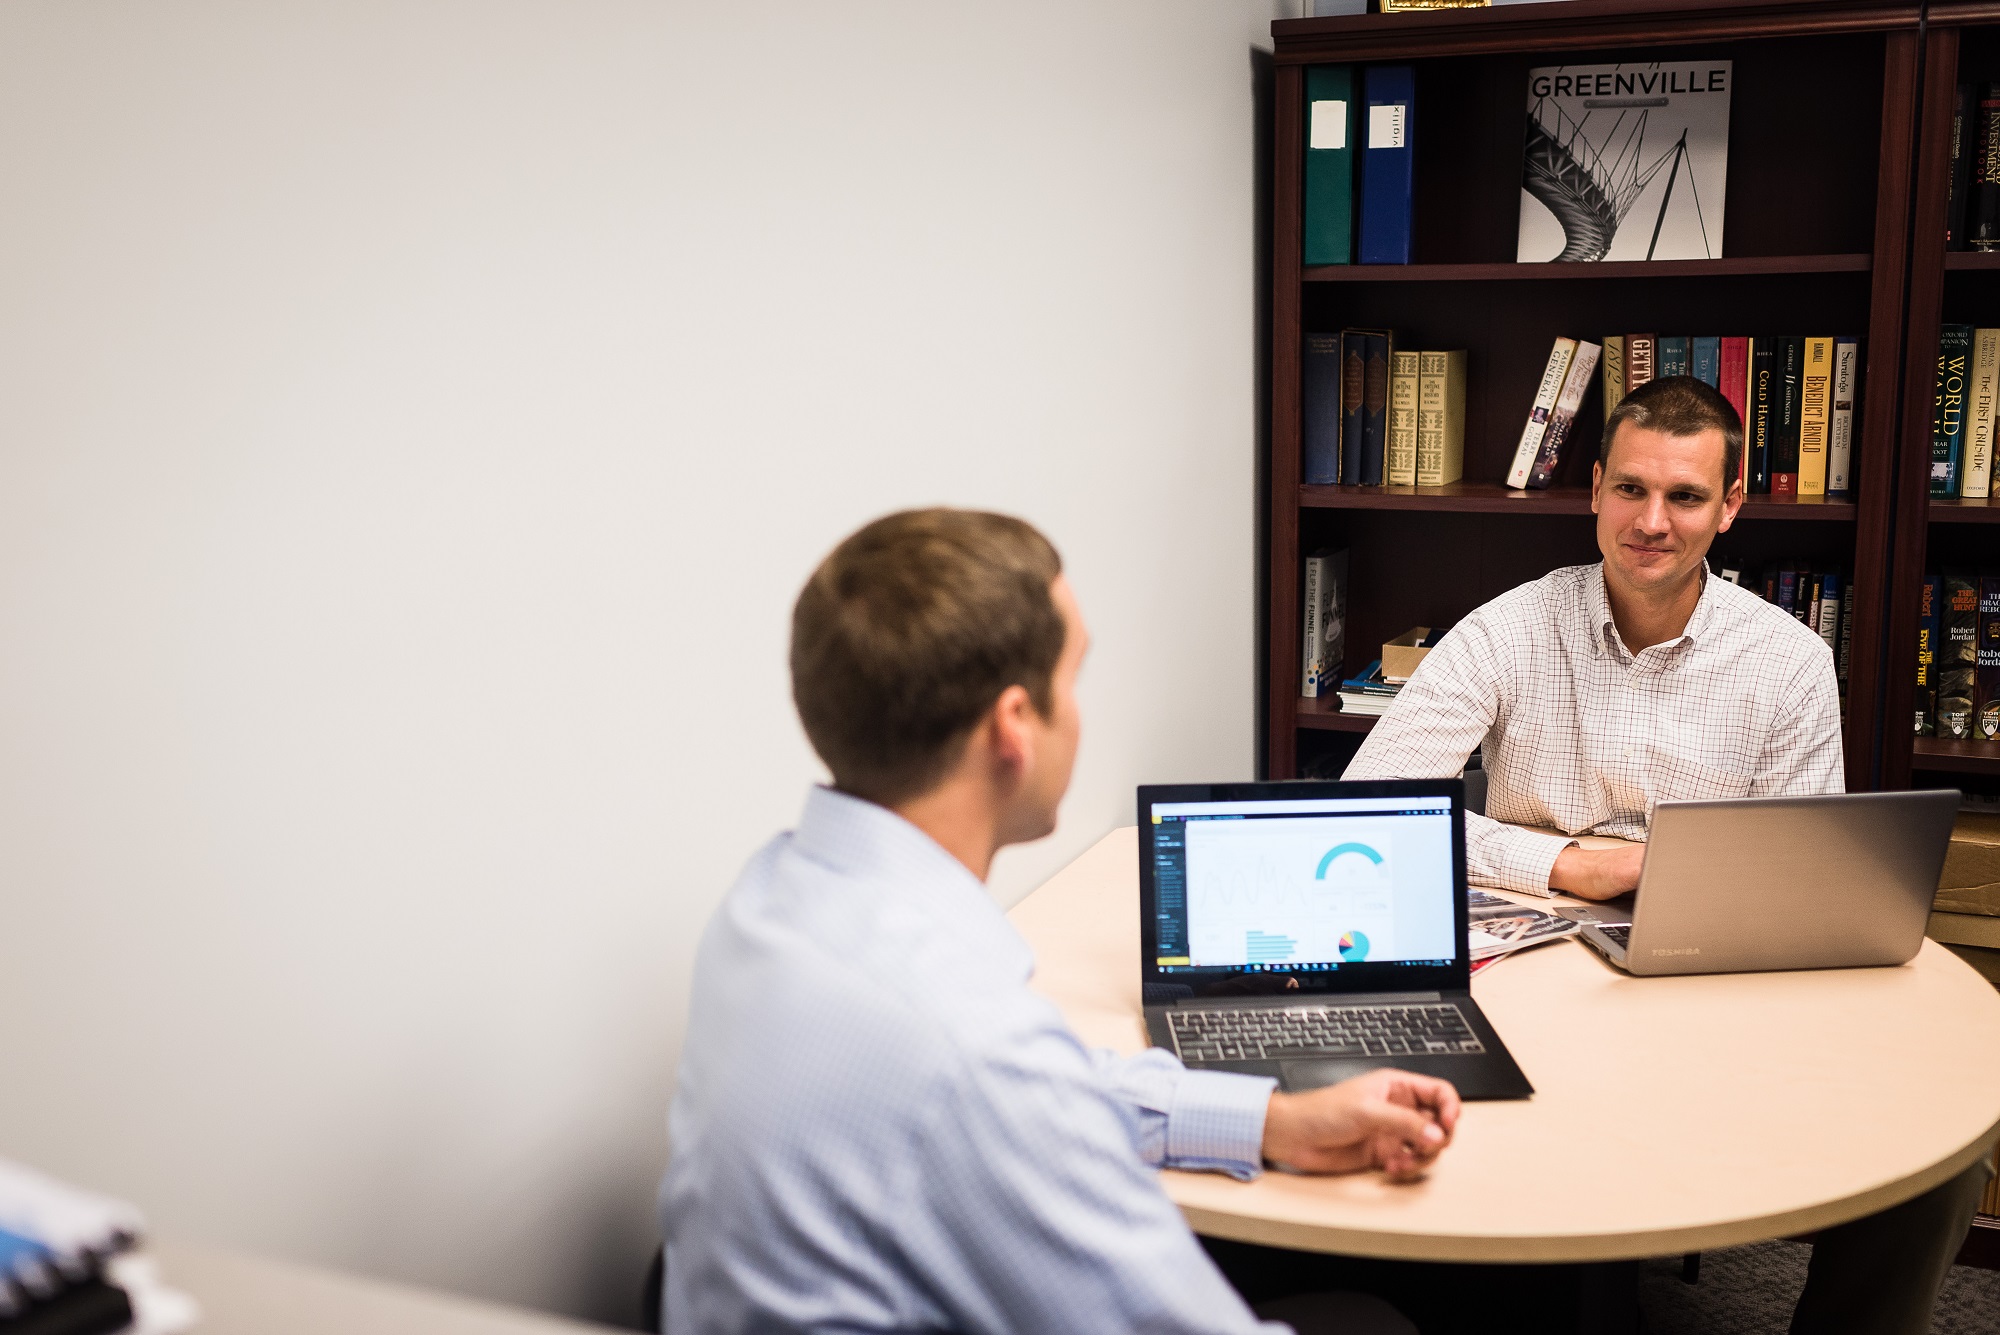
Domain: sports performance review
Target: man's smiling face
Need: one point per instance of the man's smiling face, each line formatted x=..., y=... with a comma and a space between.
x=1660, y=500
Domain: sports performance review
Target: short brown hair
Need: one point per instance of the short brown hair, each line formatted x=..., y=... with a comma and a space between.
x=909, y=631
x=1680, y=405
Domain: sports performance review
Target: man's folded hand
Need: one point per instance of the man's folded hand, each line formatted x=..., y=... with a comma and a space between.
x=1387, y=1119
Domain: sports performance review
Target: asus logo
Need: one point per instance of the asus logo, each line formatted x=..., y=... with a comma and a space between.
x=1680, y=950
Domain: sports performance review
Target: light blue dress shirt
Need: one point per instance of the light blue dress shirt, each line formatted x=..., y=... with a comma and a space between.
x=879, y=1127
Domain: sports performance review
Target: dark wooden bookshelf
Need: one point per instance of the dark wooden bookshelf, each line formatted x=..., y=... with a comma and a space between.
x=1810, y=243
x=1932, y=534
x=1324, y=713
x=1646, y=269
x=1945, y=753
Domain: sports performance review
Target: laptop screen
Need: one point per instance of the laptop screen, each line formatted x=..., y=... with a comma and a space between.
x=1302, y=883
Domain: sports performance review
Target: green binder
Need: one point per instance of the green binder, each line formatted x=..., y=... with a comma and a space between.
x=1332, y=120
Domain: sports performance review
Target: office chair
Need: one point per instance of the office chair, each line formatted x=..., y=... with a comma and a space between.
x=650, y=1292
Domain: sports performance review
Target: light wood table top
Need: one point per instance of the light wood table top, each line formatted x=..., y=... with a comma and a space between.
x=1670, y=1114
x=251, y=1295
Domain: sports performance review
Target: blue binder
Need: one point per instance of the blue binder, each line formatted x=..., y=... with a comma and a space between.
x=1387, y=161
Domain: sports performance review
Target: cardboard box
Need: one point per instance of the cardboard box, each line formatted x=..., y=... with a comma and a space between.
x=1970, y=882
x=1400, y=656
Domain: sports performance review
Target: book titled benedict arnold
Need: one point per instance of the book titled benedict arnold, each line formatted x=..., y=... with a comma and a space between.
x=1625, y=162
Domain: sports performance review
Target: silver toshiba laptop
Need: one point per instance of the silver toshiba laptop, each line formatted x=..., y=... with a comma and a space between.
x=1833, y=882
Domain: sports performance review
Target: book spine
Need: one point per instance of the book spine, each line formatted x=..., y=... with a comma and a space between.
x=1707, y=360
x=1815, y=414
x=1440, y=418
x=1986, y=715
x=1310, y=675
x=1982, y=223
x=1375, y=409
x=1963, y=112
x=1930, y=628
x=1675, y=356
x=1976, y=479
x=1530, y=447
x=1840, y=421
x=1353, y=402
x=1785, y=417
x=1640, y=351
x=1319, y=409
x=1788, y=590
x=1846, y=649
x=1614, y=372
x=1329, y=168
x=1958, y=656
x=1387, y=162
x=1763, y=402
x=1402, y=465
x=1576, y=383
x=1948, y=412
x=1735, y=387
x=1827, y=623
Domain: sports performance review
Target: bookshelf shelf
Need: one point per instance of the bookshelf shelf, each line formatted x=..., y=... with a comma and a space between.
x=1971, y=259
x=1324, y=714
x=1656, y=269
x=1494, y=499
x=1945, y=753
x=1960, y=510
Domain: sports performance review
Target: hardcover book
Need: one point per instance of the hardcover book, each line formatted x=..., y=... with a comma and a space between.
x=1840, y=424
x=1353, y=402
x=1982, y=200
x=1981, y=399
x=1614, y=371
x=1639, y=359
x=1530, y=447
x=1763, y=405
x=1785, y=416
x=1329, y=167
x=1625, y=162
x=1676, y=355
x=1440, y=418
x=1958, y=655
x=1948, y=412
x=1375, y=410
x=1705, y=352
x=1319, y=409
x=1846, y=649
x=1387, y=162
x=1576, y=383
x=1324, y=638
x=1986, y=714
x=1827, y=622
x=1930, y=630
x=1735, y=387
x=1962, y=113
x=1815, y=414
x=1401, y=469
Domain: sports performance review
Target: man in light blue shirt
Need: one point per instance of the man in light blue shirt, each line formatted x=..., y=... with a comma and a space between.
x=878, y=1126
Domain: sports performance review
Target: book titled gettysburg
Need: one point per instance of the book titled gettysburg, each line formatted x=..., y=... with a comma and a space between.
x=1625, y=162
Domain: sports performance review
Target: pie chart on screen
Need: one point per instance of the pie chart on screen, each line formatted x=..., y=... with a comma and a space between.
x=1354, y=945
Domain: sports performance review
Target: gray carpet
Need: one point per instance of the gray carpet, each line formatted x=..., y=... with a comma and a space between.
x=1750, y=1291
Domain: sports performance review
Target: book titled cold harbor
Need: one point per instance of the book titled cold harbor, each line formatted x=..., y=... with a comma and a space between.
x=1625, y=162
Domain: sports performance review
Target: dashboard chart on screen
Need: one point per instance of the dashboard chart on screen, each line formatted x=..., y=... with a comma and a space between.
x=1303, y=886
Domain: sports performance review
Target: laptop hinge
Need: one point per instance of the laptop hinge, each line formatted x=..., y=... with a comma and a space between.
x=1315, y=999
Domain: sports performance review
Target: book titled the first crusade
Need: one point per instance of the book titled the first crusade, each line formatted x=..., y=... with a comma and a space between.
x=1625, y=162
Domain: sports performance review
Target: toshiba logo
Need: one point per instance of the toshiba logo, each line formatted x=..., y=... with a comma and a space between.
x=1680, y=950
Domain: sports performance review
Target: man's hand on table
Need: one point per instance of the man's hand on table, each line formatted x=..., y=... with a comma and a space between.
x=1598, y=873
x=1386, y=1119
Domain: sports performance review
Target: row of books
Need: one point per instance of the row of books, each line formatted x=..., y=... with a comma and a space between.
x=1958, y=656
x=1968, y=383
x=1357, y=190
x=1372, y=413
x=1823, y=599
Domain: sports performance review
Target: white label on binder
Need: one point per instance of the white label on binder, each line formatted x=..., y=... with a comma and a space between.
x=1329, y=125
x=1385, y=126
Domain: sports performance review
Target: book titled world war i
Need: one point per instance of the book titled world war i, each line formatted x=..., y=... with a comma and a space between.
x=1625, y=162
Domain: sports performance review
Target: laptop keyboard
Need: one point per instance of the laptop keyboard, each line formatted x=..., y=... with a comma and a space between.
x=1267, y=1033
x=1622, y=935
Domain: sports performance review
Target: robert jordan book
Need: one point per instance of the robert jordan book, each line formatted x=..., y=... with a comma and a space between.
x=1958, y=666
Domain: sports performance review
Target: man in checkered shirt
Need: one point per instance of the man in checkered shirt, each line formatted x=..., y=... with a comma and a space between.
x=1597, y=691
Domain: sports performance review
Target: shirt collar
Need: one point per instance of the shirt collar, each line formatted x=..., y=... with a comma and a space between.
x=871, y=843
x=1604, y=630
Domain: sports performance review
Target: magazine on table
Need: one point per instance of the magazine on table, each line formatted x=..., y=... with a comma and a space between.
x=1501, y=927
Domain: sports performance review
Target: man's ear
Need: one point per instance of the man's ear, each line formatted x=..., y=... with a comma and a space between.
x=1732, y=501
x=1596, y=482
x=1011, y=727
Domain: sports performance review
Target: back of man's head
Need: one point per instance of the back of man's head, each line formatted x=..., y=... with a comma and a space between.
x=906, y=635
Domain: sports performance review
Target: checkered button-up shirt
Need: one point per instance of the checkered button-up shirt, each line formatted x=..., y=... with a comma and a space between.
x=1582, y=735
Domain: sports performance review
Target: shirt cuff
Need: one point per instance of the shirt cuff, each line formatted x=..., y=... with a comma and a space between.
x=1217, y=1122
x=1517, y=859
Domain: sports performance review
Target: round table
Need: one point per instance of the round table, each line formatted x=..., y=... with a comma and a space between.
x=1670, y=1114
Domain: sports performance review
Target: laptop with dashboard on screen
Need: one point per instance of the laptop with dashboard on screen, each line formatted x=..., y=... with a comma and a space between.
x=1311, y=931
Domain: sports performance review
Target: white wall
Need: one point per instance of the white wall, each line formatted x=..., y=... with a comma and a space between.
x=415, y=421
